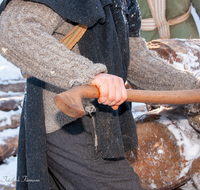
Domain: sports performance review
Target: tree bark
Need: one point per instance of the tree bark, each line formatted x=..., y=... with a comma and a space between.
x=8, y=104
x=160, y=158
x=16, y=87
x=9, y=148
x=15, y=122
x=195, y=173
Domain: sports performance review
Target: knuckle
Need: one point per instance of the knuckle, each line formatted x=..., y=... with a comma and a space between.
x=104, y=94
x=111, y=98
x=118, y=99
x=101, y=100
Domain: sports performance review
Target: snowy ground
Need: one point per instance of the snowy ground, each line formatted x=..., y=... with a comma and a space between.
x=8, y=72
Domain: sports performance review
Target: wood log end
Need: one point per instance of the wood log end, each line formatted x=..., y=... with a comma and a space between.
x=195, y=173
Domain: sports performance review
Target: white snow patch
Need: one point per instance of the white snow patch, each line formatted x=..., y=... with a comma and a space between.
x=8, y=94
x=8, y=171
x=160, y=151
x=188, y=186
x=7, y=115
x=187, y=138
x=135, y=111
x=196, y=179
x=8, y=70
x=6, y=82
x=8, y=133
x=193, y=46
x=190, y=61
x=153, y=185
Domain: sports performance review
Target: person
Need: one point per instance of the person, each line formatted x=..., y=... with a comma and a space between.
x=168, y=19
x=60, y=152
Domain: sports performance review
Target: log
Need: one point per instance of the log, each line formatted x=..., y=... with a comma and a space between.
x=8, y=148
x=15, y=122
x=188, y=186
x=186, y=52
x=6, y=187
x=193, y=115
x=160, y=159
x=195, y=173
x=194, y=119
x=13, y=87
x=10, y=94
x=182, y=53
x=12, y=103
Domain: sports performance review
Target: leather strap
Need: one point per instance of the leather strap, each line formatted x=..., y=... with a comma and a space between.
x=74, y=36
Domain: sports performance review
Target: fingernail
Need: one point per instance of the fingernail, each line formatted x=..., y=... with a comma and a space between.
x=115, y=107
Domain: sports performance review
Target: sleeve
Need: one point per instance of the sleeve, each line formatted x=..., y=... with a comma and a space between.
x=27, y=42
x=196, y=5
x=150, y=72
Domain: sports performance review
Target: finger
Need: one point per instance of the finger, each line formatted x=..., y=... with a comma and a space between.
x=115, y=107
x=118, y=95
x=121, y=94
x=103, y=90
x=112, y=91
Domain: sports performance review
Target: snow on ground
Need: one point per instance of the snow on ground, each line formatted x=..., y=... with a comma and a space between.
x=8, y=71
x=6, y=116
x=8, y=171
x=188, y=186
x=8, y=133
x=138, y=109
x=8, y=74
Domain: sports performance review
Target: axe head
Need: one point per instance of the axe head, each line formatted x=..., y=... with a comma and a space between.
x=70, y=104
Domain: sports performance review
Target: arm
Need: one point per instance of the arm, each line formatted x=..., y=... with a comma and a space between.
x=26, y=41
x=196, y=5
x=150, y=72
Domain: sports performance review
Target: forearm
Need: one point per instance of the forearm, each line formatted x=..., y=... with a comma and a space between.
x=150, y=72
x=26, y=41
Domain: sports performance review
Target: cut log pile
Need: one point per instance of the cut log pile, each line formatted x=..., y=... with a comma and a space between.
x=168, y=146
x=9, y=147
x=17, y=86
x=168, y=154
x=184, y=53
x=11, y=97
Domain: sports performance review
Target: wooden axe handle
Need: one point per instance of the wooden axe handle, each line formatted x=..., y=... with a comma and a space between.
x=70, y=102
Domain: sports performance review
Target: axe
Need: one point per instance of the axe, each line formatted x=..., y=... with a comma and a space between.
x=70, y=102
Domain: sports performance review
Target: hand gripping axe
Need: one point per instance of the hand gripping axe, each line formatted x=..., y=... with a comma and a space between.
x=70, y=102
